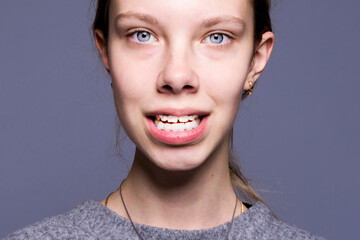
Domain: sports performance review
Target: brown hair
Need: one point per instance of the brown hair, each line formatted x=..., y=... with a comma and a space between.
x=262, y=24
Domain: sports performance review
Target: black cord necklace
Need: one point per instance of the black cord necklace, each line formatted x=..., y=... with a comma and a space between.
x=138, y=234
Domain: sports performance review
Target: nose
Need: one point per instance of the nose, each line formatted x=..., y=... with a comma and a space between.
x=177, y=75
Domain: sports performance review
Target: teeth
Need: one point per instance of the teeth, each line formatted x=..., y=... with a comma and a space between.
x=191, y=118
x=179, y=127
x=163, y=118
x=190, y=125
x=160, y=125
x=172, y=119
x=175, y=119
x=177, y=124
x=167, y=127
x=183, y=119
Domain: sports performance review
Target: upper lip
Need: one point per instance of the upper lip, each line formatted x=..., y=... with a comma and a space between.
x=177, y=112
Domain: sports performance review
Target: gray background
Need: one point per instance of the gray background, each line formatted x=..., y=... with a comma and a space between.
x=297, y=135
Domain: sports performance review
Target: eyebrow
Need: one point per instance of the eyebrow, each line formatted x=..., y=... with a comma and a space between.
x=140, y=16
x=208, y=23
x=222, y=19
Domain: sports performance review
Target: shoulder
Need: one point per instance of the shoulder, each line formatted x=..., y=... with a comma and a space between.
x=78, y=223
x=259, y=223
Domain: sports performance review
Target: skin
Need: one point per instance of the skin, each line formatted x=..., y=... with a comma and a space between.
x=180, y=186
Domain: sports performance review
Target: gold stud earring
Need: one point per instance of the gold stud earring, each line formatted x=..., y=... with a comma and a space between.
x=249, y=91
x=251, y=88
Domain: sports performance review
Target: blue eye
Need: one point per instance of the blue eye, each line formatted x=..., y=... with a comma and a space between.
x=143, y=36
x=216, y=38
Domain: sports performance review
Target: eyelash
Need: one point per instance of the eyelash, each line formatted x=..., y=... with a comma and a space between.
x=228, y=38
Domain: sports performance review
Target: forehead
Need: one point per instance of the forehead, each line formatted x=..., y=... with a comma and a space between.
x=184, y=11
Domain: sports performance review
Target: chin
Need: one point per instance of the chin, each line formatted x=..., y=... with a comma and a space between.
x=179, y=159
x=178, y=165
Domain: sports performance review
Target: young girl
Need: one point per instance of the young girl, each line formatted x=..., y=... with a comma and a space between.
x=179, y=70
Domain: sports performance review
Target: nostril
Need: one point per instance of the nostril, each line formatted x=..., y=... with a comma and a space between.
x=167, y=87
x=176, y=86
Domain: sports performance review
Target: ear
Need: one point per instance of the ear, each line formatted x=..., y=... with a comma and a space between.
x=260, y=58
x=101, y=45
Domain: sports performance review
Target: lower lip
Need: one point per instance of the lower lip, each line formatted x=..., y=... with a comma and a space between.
x=177, y=138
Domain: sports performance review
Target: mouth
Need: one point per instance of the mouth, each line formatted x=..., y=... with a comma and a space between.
x=177, y=129
x=176, y=123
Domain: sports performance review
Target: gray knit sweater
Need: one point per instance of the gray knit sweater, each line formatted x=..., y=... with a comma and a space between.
x=91, y=220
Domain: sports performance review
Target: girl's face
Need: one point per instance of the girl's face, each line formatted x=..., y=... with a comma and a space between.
x=178, y=69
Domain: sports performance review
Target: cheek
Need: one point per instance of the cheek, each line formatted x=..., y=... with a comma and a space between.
x=132, y=79
x=225, y=73
x=128, y=90
x=225, y=82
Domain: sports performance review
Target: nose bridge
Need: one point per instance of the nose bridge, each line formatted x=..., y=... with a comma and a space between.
x=177, y=54
x=177, y=74
x=178, y=62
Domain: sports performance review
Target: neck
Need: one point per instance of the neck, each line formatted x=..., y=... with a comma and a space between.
x=196, y=199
